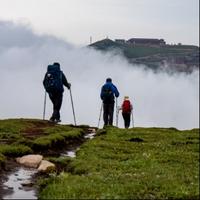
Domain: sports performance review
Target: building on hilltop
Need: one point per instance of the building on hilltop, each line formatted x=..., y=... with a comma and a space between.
x=121, y=41
x=146, y=42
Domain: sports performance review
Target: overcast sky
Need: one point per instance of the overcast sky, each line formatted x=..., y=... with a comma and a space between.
x=76, y=20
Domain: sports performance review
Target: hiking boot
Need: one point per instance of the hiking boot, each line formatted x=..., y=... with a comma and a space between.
x=57, y=120
x=51, y=120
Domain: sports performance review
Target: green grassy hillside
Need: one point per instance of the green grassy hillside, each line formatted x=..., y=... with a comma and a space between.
x=141, y=51
x=179, y=57
x=139, y=163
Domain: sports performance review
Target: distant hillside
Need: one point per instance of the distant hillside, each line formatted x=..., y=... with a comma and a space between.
x=182, y=58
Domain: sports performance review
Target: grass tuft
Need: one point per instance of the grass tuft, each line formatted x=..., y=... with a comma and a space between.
x=12, y=150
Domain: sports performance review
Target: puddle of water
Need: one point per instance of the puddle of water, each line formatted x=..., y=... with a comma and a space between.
x=16, y=180
x=71, y=154
x=89, y=136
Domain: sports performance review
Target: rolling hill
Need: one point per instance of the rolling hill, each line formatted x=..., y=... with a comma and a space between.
x=174, y=58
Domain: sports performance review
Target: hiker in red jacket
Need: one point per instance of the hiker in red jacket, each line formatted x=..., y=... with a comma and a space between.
x=126, y=111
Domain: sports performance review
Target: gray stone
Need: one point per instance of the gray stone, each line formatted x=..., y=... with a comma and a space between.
x=30, y=160
x=46, y=166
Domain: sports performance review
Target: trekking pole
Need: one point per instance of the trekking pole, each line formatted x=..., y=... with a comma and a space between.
x=100, y=115
x=117, y=116
x=116, y=113
x=132, y=119
x=72, y=106
x=45, y=97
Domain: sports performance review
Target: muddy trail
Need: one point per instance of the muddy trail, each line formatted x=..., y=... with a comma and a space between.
x=19, y=182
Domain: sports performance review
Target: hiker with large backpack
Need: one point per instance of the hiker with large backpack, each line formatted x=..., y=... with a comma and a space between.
x=108, y=93
x=126, y=111
x=53, y=83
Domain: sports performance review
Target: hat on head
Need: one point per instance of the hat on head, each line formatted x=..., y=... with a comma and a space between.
x=126, y=97
x=57, y=64
x=108, y=80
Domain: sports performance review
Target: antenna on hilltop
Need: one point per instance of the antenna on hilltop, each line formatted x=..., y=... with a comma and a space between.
x=90, y=39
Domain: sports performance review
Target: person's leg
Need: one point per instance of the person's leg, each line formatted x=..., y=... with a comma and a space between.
x=105, y=114
x=58, y=103
x=52, y=98
x=128, y=119
x=124, y=117
x=110, y=115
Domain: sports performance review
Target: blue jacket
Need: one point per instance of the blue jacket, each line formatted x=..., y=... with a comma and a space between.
x=114, y=91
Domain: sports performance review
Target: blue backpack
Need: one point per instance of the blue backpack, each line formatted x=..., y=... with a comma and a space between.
x=107, y=93
x=53, y=79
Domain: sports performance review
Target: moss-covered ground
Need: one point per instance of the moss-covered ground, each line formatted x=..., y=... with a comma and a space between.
x=24, y=136
x=139, y=163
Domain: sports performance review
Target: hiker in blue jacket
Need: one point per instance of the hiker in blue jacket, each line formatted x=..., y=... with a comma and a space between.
x=108, y=93
x=53, y=83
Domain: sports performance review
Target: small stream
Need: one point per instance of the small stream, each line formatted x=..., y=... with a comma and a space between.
x=72, y=153
x=19, y=182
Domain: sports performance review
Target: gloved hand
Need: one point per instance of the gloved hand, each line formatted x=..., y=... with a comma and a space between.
x=69, y=85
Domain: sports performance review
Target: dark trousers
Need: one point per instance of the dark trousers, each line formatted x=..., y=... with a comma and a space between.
x=108, y=110
x=127, y=119
x=56, y=99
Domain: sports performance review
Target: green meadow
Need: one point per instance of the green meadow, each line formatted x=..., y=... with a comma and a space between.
x=139, y=163
x=24, y=136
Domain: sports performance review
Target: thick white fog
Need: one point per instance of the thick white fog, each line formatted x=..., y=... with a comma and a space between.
x=159, y=100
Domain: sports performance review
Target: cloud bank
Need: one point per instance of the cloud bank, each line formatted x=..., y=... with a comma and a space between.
x=159, y=100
